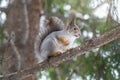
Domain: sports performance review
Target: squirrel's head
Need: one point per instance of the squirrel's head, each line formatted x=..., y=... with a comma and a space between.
x=72, y=28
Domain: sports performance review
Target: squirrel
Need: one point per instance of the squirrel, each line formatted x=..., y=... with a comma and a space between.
x=54, y=37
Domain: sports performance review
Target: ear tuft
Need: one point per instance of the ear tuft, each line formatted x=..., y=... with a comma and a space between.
x=71, y=20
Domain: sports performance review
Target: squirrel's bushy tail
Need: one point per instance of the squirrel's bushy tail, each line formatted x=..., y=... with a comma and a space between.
x=46, y=26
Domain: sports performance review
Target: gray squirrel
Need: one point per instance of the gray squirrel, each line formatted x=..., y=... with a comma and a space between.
x=54, y=37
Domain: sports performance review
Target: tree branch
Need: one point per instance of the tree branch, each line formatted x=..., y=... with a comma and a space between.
x=99, y=5
x=3, y=9
x=71, y=74
x=91, y=44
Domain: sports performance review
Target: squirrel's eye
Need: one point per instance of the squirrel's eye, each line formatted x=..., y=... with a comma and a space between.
x=75, y=28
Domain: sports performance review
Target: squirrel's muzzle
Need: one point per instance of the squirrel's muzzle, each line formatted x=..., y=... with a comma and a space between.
x=77, y=35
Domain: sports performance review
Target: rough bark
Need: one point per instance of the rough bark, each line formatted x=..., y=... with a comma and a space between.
x=16, y=23
x=91, y=44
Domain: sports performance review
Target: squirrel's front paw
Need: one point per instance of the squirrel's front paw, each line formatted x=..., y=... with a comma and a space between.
x=64, y=41
x=69, y=48
x=55, y=54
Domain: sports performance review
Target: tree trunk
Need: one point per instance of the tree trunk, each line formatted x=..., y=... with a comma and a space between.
x=23, y=49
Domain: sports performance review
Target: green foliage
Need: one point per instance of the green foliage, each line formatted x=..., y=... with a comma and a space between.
x=49, y=5
x=1, y=40
x=52, y=74
x=1, y=34
x=59, y=5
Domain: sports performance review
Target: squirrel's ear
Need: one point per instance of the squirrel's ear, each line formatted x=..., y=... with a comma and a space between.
x=71, y=20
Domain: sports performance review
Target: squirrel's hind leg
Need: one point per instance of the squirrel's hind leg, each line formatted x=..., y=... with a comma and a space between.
x=42, y=57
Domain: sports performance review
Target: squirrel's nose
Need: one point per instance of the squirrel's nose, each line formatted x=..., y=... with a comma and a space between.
x=79, y=34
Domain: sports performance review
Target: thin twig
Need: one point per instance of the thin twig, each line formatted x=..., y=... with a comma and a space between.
x=58, y=73
x=3, y=9
x=26, y=19
x=70, y=76
x=99, y=5
x=17, y=54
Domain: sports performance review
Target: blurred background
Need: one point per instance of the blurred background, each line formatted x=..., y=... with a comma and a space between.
x=94, y=17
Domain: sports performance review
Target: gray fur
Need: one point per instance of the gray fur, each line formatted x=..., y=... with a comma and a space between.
x=47, y=43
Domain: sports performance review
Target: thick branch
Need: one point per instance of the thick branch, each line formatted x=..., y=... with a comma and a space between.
x=91, y=44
